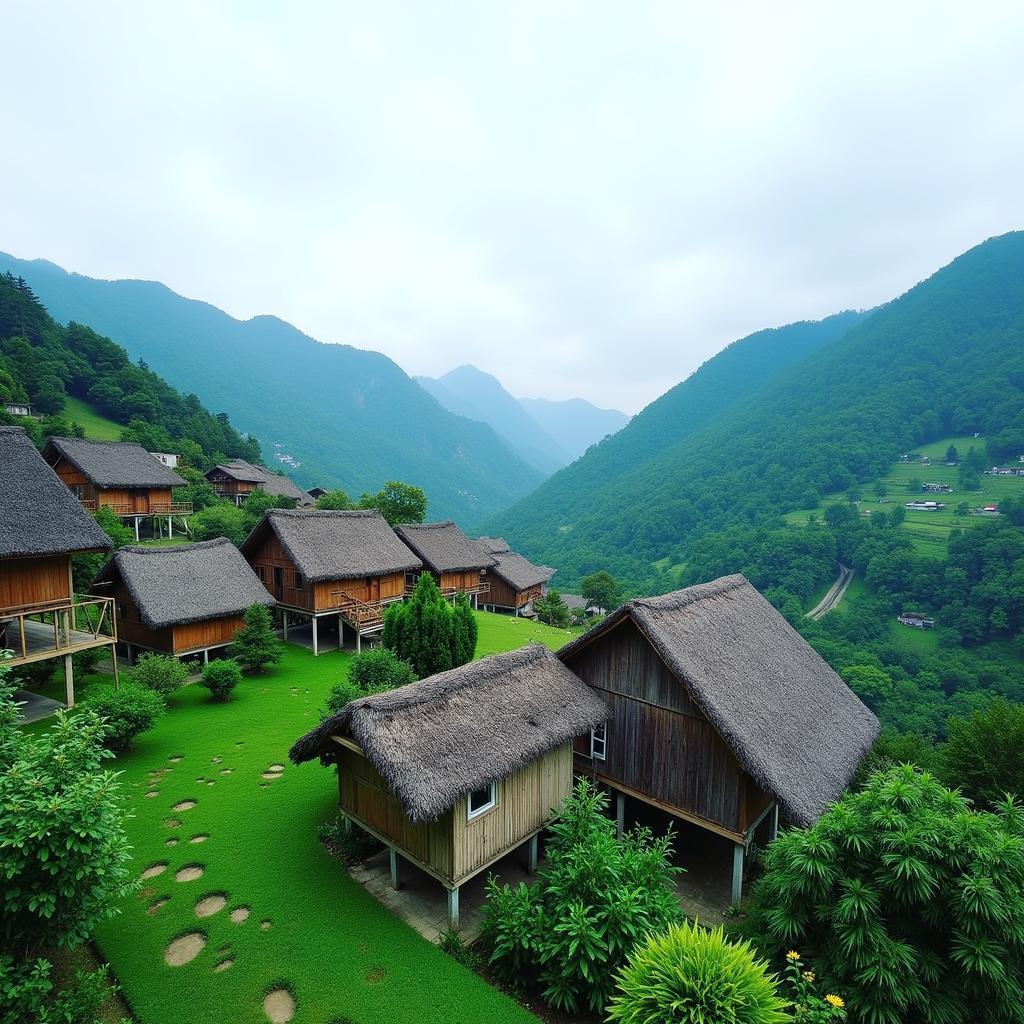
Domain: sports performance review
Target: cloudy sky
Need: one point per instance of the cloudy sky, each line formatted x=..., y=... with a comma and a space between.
x=581, y=198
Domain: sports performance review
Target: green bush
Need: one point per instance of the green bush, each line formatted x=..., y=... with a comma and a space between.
x=220, y=678
x=379, y=670
x=127, y=712
x=691, y=976
x=984, y=755
x=160, y=673
x=906, y=900
x=255, y=645
x=350, y=845
x=28, y=994
x=596, y=896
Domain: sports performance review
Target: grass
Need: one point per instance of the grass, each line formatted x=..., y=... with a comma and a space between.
x=96, y=427
x=342, y=954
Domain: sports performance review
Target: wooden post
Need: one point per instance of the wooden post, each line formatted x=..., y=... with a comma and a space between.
x=359, y=640
x=773, y=826
x=136, y=529
x=393, y=857
x=453, y=909
x=531, y=854
x=315, y=651
x=170, y=529
x=284, y=619
x=113, y=663
x=620, y=813
x=206, y=655
x=737, y=874
x=346, y=823
x=130, y=651
x=69, y=681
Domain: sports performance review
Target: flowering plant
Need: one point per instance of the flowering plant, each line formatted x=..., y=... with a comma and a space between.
x=808, y=1006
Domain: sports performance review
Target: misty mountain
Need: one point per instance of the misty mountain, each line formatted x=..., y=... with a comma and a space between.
x=575, y=423
x=352, y=418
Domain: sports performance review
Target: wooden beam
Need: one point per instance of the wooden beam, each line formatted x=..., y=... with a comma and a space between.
x=393, y=860
x=344, y=741
x=453, y=909
x=737, y=874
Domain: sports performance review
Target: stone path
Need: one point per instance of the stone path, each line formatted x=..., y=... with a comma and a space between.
x=33, y=707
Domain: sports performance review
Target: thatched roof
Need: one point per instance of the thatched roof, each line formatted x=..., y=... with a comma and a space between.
x=272, y=483
x=518, y=572
x=240, y=470
x=325, y=544
x=496, y=545
x=185, y=583
x=444, y=547
x=38, y=514
x=438, y=739
x=793, y=724
x=109, y=464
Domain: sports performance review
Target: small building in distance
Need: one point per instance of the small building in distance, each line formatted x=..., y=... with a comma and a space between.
x=459, y=565
x=918, y=620
x=937, y=488
x=119, y=475
x=496, y=545
x=19, y=409
x=926, y=506
x=721, y=714
x=320, y=564
x=42, y=525
x=169, y=459
x=317, y=492
x=180, y=600
x=236, y=479
x=515, y=583
x=459, y=769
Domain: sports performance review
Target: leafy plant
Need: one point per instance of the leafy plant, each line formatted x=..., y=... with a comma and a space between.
x=160, y=673
x=351, y=845
x=984, y=755
x=127, y=712
x=452, y=943
x=397, y=502
x=808, y=1006
x=220, y=678
x=256, y=646
x=601, y=590
x=906, y=900
x=688, y=975
x=596, y=896
x=378, y=670
x=28, y=994
x=552, y=610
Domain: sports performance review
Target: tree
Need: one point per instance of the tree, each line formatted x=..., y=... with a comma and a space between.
x=905, y=900
x=984, y=754
x=127, y=712
x=64, y=853
x=220, y=678
x=952, y=455
x=428, y=632
x=871, y=684
x=256, y=646
x=881, y=489
x=601, y=590
x=597, y=895
x=397, y=502
x=335, y=500
x=84, y=568
x=161, y=673
x=552, y=609
x=689, y=975
x=221, y=520
x=379, y=670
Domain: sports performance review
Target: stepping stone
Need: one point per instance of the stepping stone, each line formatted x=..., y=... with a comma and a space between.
x=210, y=905
x=173, y=841
x=276, y=768
x=226, y=771
x=154, y=869
x=172, y=823
x=152, y=793
x=279, y=1006
x=211, y=783
x=156, y=905
x=175, y=759
x=201, y=838
x=265, y=926
x=223, y=965
x=240, y=915
x=189, y=874
x=216, y=760
x=271, y=775
x=184, y=805
x=184, y=949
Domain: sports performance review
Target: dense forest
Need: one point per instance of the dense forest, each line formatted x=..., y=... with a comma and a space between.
x=43, y=363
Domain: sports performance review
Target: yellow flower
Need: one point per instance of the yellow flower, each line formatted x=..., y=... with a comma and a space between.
x=792, y=955
x=808, y=975
x=834, y=1001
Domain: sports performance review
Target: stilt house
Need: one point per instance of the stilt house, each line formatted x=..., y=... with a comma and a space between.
x=119, y=475
x=237, y=479
x=319, y=564
x=181, y=600
x=459, y=565
x=42, y=525
x=515, y=582
x=456, y=771
x=722, y=715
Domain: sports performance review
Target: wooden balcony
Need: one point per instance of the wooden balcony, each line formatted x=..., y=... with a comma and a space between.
x=154, y=508
x=483, y=587
x=38, y=632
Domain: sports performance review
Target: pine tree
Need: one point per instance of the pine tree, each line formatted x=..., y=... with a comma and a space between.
x=255, y=645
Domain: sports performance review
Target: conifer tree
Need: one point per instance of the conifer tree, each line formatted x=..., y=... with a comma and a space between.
x=255, y=645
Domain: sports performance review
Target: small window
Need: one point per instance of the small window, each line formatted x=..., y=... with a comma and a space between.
x=598, y=740
x=122, y=611
x=261, y=571
x=298, y=581
x=481, y=801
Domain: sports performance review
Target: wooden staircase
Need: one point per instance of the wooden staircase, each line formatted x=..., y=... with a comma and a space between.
x=363, y=617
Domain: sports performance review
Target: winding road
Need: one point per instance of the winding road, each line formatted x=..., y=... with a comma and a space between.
x=834, y=595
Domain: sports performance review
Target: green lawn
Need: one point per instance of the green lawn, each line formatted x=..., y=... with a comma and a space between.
x=340, y=952
x=96, y=427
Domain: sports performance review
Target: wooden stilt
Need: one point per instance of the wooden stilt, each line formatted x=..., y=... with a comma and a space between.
x=130, y=651
x=170, y=529
x=737, y=874
x=206, y=655
x=315, y=651
x=284, y=620
x=393, y=857
x=531, y=854
x=620, y=813
x=359, y=641
x=773, y=825
x=69, y=681
x=453, y=909
x=113, y=665
x=136, y=529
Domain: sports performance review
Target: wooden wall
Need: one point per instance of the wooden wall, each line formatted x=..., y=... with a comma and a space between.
x=270, y=555
x=461, y=581
x=130, y=627
x=368, y=589
x=25, y=581
x=190, y=636
x=501, y=595
x=658, y=741
x=364, y=795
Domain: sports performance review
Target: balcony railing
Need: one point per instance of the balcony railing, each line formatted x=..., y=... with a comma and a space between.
x=154, y=508
x=39, y=631
x=483, y=587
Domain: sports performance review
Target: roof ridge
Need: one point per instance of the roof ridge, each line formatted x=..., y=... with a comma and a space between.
x=427, y=526
x=11, y=429
x=305, y=513
x=677, y=599
x=196, y=545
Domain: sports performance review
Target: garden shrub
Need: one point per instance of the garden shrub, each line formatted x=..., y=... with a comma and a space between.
x=220, y=678
x=596, y=896
x=160, y=673
x=127, y=712
x=256, y=646
x=688, y=975
x=907, y=901
x=370, y=672
x=350, y=845
x=808, y=1006
x=28, y=994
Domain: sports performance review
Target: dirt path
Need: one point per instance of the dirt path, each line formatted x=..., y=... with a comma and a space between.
x=834, y=595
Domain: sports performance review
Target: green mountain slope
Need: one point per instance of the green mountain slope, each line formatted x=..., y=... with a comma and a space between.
x=575, y=423
x=945, y=358
x=351, y=418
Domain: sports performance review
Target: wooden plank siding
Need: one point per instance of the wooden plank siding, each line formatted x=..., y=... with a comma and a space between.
x=124, y=501
x=193, y=636
x=501, y=595
x=658, y=742
x=460, y=581
x=177, y=639
x=36, y=580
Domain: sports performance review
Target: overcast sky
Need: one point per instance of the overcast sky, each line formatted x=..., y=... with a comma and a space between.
x=581, y=198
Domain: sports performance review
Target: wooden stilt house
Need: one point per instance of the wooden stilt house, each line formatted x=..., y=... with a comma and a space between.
x=456, y=771
x=237, y=479
x=721, y=713
x=515, y=582
x=342, y=567
x=459, y=565
x=118, y=475
x=42, y=525
x=181, y=600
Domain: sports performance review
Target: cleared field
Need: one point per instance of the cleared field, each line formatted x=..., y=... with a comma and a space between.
x=96, y=427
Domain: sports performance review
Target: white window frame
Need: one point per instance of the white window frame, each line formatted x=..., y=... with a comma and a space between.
x=599, y=743
x=472, y=814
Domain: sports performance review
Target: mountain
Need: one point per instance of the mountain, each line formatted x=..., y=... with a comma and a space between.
x=547, y=520
x=347, y=417
x=575, y=423
x=945, y=358
x=470, y=392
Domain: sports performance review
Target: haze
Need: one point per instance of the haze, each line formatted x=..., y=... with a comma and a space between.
x=582, y=199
